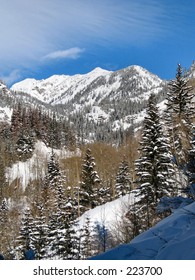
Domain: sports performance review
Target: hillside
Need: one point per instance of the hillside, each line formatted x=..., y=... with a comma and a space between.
x=92, y=88
x=98, y=103
x=79, y=177
x=171, y=239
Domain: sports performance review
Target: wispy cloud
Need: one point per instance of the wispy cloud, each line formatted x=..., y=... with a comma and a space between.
x=32, y=30
x=72, y=53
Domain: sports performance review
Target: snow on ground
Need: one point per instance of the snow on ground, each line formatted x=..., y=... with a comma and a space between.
x=35, y=167
x=173, y=238
x=109, y=214
x=97, y=114
x=5, y=114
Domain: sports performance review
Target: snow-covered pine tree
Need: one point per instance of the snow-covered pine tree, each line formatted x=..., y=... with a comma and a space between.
x=25, y=238
x=87, y=241
x=178, y=116
x=104, y=194
x=71, y=242
x=53, y=169
x=4, y=227
x=154, y=167
x=56, y=233
x=39, y=235
x=123, y=180
x=59, y=216
x=89, y=186
x=24, y=145
x=53, y=189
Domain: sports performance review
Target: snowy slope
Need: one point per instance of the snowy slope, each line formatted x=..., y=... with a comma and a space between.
x=109, y=214
x=5, y=111
x=52, y=89
x=90, y=87
x=100, y=96
x=35, y=167
x=171, y=239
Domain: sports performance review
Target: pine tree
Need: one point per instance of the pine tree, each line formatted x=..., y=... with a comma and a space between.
x=154, y=168
x=55, y=184
x=4, y=227
x=39, y=235
x=25, y=238
x=88, y=193
x=24, y=145
x=123, y=180
x=104, y=194
x=87, y=241
x=72, y=238
x=179, y=115
x=53, y=189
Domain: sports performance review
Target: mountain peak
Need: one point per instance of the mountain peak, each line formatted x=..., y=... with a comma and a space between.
x=91, y=88
x=99, y=71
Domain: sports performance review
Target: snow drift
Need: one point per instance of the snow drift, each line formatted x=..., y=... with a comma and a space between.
x=173, y=238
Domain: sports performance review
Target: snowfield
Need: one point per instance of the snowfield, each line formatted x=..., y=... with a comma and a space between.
x=173, y=238
x=109, y=214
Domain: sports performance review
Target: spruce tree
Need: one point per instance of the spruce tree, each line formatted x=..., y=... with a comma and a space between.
x=53, y=188
x=179, y=114
x=39, y=235
x=25, y=238
x=89, y=186
x=72, y=231
x=4, y=227
x=87, y=241
x=56, y=183
x=123, y=180
x=154, y=167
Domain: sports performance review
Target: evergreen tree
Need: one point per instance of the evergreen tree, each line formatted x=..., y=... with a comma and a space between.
x=24, y=145
x=154, y=168
x=123, y=180
x=72, y=238
x=55, y=184
x=39, y=235
x=53, y=189
x=104, y=194
x=87, y=241
x=4, y=227
x=179, y=115
x=88, y=193
x=25, y=238
x=56, y=233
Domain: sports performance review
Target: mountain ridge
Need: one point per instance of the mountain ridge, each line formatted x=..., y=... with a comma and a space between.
x=66, y=84
x=98, y=103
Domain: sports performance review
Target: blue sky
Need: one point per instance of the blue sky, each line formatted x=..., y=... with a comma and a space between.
x=40, y=38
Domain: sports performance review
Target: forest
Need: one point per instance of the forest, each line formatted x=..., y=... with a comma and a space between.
x=153, y=160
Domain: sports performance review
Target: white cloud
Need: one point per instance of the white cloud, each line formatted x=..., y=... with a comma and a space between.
x=72, y=53
x=31, y=30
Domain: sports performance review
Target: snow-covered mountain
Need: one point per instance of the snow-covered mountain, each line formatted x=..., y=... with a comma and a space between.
x=114, y=100
x=5, y=109
x=91, y=88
